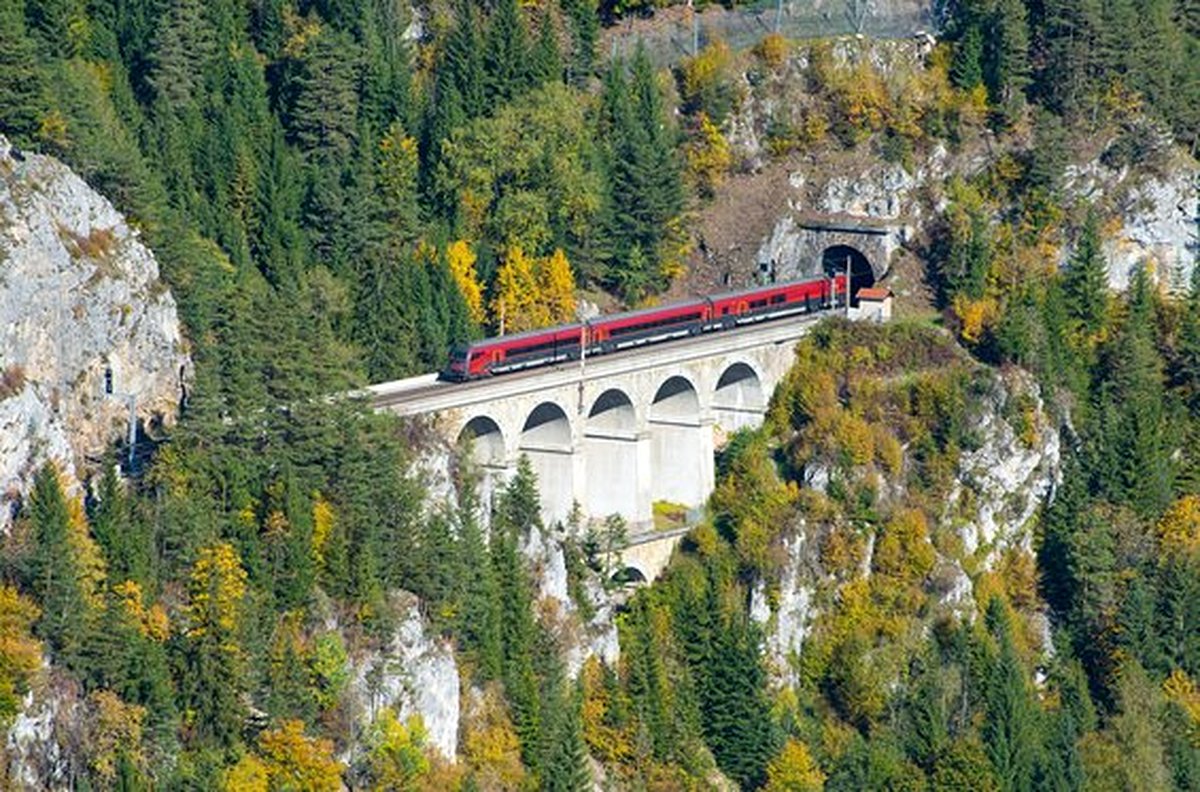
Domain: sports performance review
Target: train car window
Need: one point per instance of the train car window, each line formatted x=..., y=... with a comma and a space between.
x=778, y=298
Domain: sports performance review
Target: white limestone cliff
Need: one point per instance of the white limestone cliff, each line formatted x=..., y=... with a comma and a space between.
x=79, y=295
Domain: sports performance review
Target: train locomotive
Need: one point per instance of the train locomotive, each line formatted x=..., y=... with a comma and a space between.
x=614, y=332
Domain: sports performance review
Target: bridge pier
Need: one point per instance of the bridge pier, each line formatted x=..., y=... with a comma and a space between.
x=682, y=461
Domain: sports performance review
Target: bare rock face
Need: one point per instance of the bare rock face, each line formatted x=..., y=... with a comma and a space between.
x=416, y=674
x=1153, y=218
x=1012, y=471
x=80, y=295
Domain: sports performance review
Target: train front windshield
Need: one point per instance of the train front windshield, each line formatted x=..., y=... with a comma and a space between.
x=458, y=359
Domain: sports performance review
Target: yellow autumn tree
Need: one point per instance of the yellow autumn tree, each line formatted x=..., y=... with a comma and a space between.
x=518, y=303
x=558, y=287
x=708, y=156
x=1179, y=528
x=88, y=558
x=20, y=652
x=323, y=524
x=294, y=761
x=461, y=260
x=491, y=747
x=114, y=735
x=794, y=770
x=399, y=757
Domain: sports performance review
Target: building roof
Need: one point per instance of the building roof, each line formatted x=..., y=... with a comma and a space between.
x=874, y=294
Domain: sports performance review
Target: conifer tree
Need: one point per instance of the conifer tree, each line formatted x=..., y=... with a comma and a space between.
x=56, y=571
x=1132, y=465
x=585, y=31
x=1010, y=728
x=1085, y=285
x=463, y=61
x=1006, y=57
x=546, y=61
x=967, y=68
x=22, y=100
x=184, y=43
x=506, y=54
x=566, y=760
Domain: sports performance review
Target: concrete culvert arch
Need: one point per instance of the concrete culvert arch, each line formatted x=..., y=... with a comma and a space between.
x=835, y=260
x=610, y=455
x=486, y=439
x=739, y=400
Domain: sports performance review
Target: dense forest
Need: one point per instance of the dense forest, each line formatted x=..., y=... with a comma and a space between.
x=336, y=195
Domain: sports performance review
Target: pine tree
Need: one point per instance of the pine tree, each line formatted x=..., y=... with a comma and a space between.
x=1006, y=57
x=566, y=759
x=324, y=105
x=967, y=67
x=546, y=62
x=1132, y=465
x=585, y=31
x=183, y=45
x=506, y=54
x=56, y=571
x=22, y=100
x=1086, y=282
x=463, y=61
x=1010, y=728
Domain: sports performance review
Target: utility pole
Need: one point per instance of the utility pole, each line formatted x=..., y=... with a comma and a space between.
x=583, y=342
x=847, y=285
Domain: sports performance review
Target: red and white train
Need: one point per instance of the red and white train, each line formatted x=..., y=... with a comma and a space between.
x=614, y=332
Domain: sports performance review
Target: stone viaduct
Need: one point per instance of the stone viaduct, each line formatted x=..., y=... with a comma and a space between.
x=621, y=431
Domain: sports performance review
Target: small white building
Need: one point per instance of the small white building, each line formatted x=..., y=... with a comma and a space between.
x=874, y=305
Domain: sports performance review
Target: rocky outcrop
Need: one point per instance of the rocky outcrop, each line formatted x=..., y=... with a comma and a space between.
x=81, y=304
x=415, y=674
x=1153, y=217
x=1011, y=473
x=999, y=485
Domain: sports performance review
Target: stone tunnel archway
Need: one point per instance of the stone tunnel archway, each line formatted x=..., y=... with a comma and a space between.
x=610, y=451
x=680, y=445
x=739, y=401
x=862, y=275
x=547, y=440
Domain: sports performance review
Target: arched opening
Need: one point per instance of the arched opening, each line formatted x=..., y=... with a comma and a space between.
x=610, y=448
x=612, y=412
x=739, y=401
x=681, y=463
x=836, y=258
x=676, y=400
x=486, y=441
x=546, y=440
x=628, y=576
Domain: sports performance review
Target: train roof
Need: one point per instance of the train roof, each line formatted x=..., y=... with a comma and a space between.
x=527, y=334
x=640, y=312
x=756, y=289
